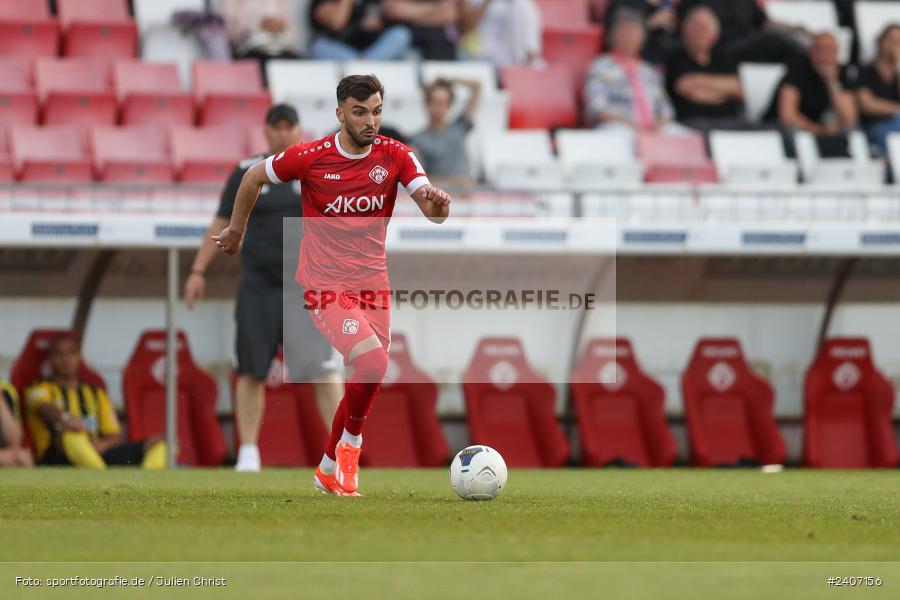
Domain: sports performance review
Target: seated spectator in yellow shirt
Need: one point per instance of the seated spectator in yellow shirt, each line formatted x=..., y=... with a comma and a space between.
x=73, y=422
x=12, y=452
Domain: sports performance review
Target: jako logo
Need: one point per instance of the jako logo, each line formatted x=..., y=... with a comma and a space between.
x=354, y=204
x=332, y=176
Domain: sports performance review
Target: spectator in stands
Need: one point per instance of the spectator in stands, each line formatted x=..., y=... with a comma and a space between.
x=442, y=145
x=813, y=96
x=621, y=90
x=431, y=22
x=12, y=452
x=659, y=18
x=747, y=33
x=72, y=422
x=702, y=80
x=262, y=29
x=355, y=29
x=504, y=32
x=878, y=90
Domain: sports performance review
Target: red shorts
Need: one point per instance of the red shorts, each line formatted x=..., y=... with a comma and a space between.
x=346, y=320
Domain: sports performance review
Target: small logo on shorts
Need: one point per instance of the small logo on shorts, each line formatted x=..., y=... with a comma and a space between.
x=351, y=326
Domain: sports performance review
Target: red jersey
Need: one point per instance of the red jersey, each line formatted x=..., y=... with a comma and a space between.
x=347, y=201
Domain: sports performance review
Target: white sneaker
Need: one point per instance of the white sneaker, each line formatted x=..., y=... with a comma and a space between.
x=248, y=459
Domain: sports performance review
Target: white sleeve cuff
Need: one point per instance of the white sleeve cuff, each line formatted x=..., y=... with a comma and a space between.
x=270, y=172
x=415, y=184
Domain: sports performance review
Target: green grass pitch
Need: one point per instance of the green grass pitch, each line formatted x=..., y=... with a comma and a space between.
x=677, y=533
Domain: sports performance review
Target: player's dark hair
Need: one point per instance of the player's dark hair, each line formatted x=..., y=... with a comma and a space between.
x=57, y=340
x=439, y=84
x=358, y=87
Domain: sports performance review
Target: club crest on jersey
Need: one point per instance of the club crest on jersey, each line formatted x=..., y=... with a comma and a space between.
x=351, y=326
x=355, y=204
x=378, y=174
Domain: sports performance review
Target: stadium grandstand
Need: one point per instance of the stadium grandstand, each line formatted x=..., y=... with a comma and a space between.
x=749, y=197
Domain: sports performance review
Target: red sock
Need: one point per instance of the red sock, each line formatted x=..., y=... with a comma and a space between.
x=368, y=373
x=337, y=428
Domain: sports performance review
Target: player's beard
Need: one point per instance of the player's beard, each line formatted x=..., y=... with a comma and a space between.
x=358, y=138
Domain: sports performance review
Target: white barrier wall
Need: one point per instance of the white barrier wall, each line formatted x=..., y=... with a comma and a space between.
x=777, y=338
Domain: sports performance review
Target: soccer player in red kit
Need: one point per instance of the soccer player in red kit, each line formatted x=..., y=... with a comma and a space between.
x=348, y=188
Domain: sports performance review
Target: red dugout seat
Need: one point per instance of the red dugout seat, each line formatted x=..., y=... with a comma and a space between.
x=18, y=100
x=620, y=410
x=151, y=94
x=200, y=439
x=31, y=365
x=564, y=13
x=675, y=159
x=849, y=407
x=573, y=46
x=75, y=92
x=511, y=408
x=540, y=98
x=292, y=432
x=206, y=155
x=101, y=29
x=27, y=29
x=230, y=93
x=132, y=155
x=728, y=408
x=404, y=430
x=7, y=168
x=51, y=154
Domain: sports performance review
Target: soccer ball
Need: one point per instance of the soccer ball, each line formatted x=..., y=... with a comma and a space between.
x=478, y=473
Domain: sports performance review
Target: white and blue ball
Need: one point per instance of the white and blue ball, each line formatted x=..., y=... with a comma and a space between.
x=478, y=473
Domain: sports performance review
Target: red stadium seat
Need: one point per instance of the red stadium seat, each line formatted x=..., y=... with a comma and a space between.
x=230, y=93
x=151, y=94
x=404, y=430
x=51, y=154
x=564, y=13
x=206, y=155
x=540, y=98
x=575, y=47
x=256, y=141
x=292, y=433
x=75, y=92
x=100, y=29
x=728, y=408
x=27, y=29
x=7, y=169
x=18, y=100
x=511, y=408
x=620, y=410
x=675, y=159
x=132, y=155
x=31, y=365
x=200, y=438
x=849, y=406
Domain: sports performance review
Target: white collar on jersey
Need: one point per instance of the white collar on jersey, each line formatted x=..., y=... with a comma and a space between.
x=345, y=154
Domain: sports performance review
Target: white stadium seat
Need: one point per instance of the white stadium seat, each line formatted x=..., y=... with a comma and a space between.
x=520, y=160
x=309, y=85
x=598, y=159
x=752, y=158
x=893, y=145
x=859, y=170
x=871, y=18
x=493, y=111
x=161, y=41
x=759, y=82
x=404, y=101
x=814, y=15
